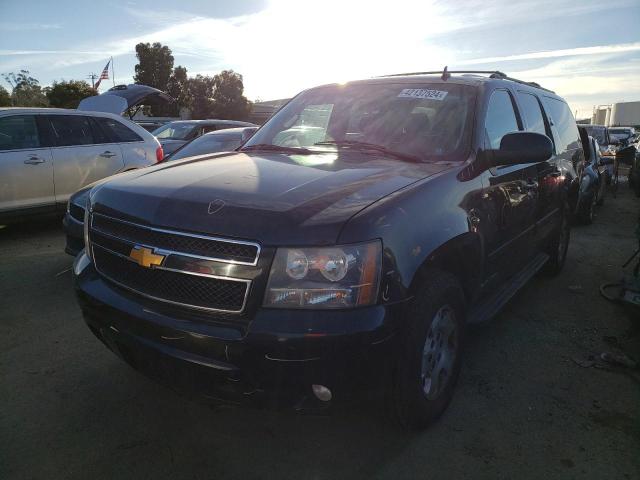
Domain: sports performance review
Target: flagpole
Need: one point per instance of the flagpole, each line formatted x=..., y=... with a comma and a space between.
x=113, y=73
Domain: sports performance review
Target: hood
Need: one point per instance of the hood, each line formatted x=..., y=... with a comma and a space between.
x=120, y=98
x=271, y=198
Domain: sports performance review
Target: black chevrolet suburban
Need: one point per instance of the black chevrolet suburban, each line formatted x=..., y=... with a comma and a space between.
x=343, y=249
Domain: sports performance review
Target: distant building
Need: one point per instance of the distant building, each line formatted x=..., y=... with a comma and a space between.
x=625, y=114
x=261, y=111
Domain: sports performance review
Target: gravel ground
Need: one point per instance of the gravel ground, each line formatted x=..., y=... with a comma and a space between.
x=531, y=402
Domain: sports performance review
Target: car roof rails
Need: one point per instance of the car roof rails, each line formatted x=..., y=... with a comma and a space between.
x=496, y=74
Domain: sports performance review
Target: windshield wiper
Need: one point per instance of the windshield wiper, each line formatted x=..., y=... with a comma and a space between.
x=276, y=148
x=373, y=146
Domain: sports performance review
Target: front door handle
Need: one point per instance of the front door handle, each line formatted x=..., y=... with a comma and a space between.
x=107, y=154
x=34, y=160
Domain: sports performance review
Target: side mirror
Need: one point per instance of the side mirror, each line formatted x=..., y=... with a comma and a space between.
x=247, y=133
x=522, y=147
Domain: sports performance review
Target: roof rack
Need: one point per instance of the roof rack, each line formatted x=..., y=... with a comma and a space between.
x=492, y=74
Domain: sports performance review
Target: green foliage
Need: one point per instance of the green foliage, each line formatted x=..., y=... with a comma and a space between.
x=26, y=90
x=5, y=97
x=178, y=88
x=228, y=98
x=220, y=96
x=201, y=91
x=67, y=94
x=155, y=64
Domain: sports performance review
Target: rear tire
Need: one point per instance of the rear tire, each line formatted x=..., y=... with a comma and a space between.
x=559, y=244
x=429, y=363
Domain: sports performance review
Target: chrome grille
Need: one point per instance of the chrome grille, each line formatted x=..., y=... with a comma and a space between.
x=111, y=256
x=231, y=251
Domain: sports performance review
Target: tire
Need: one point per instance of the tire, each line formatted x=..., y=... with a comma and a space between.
x=587, y=212
x=432, y=340
x=559, y=244
x=602, y=188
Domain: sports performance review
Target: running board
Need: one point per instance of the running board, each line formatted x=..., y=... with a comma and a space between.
x=490, y=306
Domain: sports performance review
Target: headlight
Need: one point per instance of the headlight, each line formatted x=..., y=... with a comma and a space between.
x=332, y=277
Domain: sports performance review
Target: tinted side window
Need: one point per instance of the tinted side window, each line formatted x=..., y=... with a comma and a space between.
x=71, y=130
x=532, y=113
x=501, y=118
x=566, y=132
x=117, y=130
x=18, y=131
x=99, y=134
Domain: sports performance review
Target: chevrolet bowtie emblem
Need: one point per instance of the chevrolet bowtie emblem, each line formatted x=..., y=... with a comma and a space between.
x=145, y=257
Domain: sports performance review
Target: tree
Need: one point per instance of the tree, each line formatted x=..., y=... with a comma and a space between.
x=201, y=89
x=229, y=101
x=155, y=64
x=67, y=94
x=26, y=90
x=178, y=88
x=5, y=97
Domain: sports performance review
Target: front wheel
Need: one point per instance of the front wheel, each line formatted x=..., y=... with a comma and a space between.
x=559, y=244
x=429, y=364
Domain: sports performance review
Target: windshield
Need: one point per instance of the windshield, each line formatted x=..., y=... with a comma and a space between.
x=208, y=144
x=428, y=121
x=174, y=131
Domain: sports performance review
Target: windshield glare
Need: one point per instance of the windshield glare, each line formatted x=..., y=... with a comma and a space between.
x=207, y=144
x=429, y=121
x=174, y=131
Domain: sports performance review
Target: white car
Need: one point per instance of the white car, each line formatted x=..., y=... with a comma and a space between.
x=48, y=154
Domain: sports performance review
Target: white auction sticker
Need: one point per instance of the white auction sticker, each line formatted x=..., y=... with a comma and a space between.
x=423, y=93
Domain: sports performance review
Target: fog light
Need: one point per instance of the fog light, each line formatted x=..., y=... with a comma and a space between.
x=321, y=392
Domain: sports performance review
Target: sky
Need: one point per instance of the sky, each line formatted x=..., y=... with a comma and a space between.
x=587, y=51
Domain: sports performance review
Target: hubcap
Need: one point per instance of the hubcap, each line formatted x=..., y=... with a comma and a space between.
x=439, y=352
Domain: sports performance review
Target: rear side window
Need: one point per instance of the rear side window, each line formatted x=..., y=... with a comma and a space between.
x=117, y=130
x=532, y=113
x=18, y=132
x=566, y=133
x=71, y=130
x=501, y=118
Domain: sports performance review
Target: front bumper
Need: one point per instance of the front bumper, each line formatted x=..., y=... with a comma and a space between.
x=75, y=235
x=272, y=358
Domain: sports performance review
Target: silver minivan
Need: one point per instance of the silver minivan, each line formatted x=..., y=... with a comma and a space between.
x=48, y=154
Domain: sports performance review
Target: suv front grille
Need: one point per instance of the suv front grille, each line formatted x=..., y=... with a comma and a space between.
x=112, y=241
x=169, y=286
x=245, y=253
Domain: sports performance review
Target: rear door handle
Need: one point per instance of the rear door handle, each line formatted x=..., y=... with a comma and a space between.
x=107, y=154
x=34, y=160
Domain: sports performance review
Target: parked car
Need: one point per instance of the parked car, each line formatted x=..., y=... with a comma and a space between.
x=606, y=144
x=592, y=179
x=348, y=265
x=175, y=134
x=624, y=135
x=149, y=126
x=47, y=154
x=213, y=142
x=125, y=99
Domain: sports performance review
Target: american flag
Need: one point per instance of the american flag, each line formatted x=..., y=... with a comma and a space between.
x=104, y=75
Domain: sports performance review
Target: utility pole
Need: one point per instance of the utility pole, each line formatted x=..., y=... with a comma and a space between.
x=93, y=78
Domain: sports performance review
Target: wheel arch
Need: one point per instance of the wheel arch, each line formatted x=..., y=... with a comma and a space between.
x=461, y=256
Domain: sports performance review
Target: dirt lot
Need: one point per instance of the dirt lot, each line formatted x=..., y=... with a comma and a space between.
x=528, y=405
